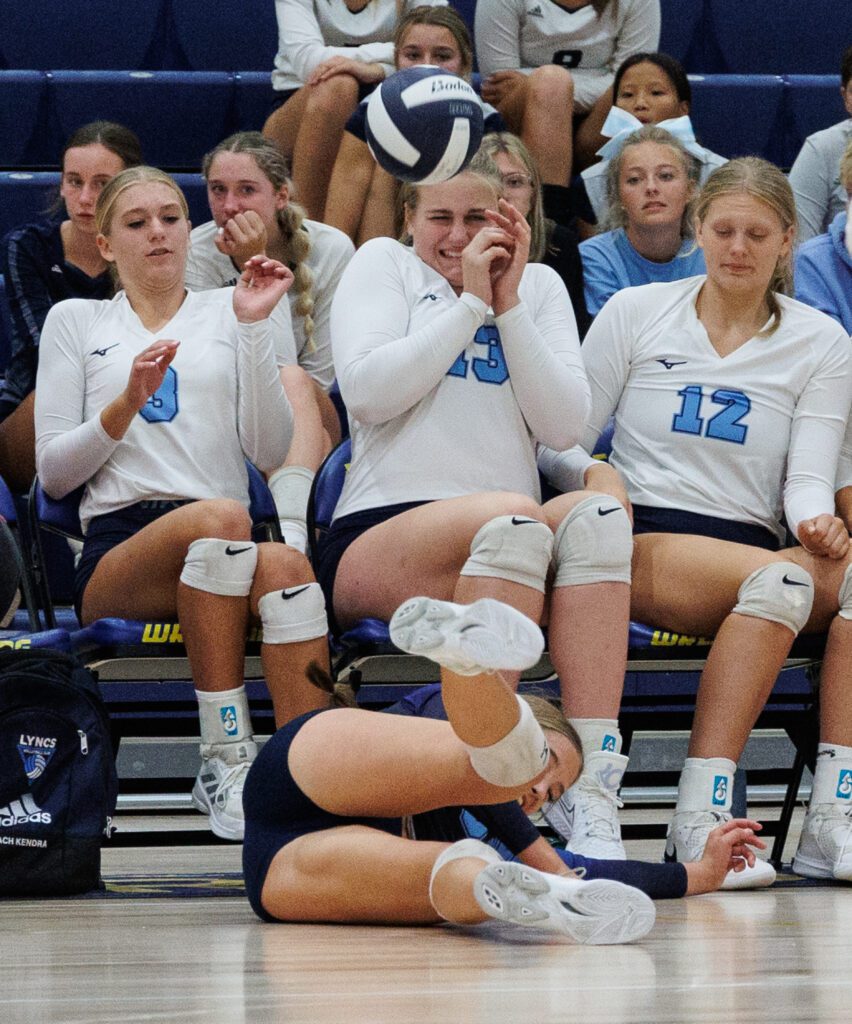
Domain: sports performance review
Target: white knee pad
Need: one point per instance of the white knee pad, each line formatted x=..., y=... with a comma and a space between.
x=514, y=548
x=845, y=594
x=779, y=592
x=463, y=848
x=593, y=544
x=223, y=567
x=296, y=613
x=519, y=757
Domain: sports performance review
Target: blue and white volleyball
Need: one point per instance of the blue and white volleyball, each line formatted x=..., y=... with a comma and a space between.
x=424, y=124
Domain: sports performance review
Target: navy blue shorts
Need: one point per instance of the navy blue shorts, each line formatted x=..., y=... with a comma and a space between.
x=343, y=532
x=108, y=531
x=277, y=812
x=649, y=519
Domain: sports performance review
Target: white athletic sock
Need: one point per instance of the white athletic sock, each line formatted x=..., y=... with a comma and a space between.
x=706, y=784
x=598, y=734
x=833, y=776
x=224, y=716
x=291, y=488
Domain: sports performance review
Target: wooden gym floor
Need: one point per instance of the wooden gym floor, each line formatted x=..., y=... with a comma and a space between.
x=778, y=956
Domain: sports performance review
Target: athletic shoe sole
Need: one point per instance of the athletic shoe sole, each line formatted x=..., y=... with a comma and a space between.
x=468, y=639
x=594, y=913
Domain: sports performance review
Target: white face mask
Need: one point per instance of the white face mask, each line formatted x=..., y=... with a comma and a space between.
x=847, y=237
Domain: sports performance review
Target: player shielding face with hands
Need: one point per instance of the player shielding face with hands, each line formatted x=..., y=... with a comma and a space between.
x=454, y=357
x=153, y=401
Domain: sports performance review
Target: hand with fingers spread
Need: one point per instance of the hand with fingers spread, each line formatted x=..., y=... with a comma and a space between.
x=730, y=847
x=506, y=280
x=262, y=284
x=243, y=236
x=824, y=535
x=484, y=258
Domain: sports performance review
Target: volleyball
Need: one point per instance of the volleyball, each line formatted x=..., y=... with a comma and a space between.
x=424, y=124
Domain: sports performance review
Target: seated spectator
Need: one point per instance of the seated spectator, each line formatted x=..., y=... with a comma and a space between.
x=823, y=275
x=819, y=193
x=649, y=88
x=152, y=401
x=48, y=261
x=651, y=184
x=731, y=404
x=554, y=245
x=253, y=214
x=548, y=68
x=330, y=55
x=362, y=197
x=454, y=356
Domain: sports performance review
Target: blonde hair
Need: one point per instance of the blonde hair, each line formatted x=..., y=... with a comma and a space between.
x=297, y=244
x=409, y=193
x=105, y=206
x=846, y=167
x=616, y=215
x=512, y=146
x=139, y=175
x=765, y=182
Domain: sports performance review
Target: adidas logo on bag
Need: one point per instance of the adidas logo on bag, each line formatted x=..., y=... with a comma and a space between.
x=23, y=811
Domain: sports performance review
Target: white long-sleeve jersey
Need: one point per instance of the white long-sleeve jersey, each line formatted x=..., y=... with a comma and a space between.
x=521, y=35
x=330, y=251
x=748, y=437
x=311, y=31
x=443, y=398
x=220, y=403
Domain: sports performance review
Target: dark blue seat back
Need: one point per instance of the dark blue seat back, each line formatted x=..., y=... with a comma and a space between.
x=328, y=483
x=812, y=102
x=739, y=115
x=194, y=187
x=178, y=116
x=23, y=117
x=26, y=196
x=221, y=35
x=47, y=34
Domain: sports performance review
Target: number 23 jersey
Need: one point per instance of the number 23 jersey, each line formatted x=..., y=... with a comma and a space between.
x=747, y=436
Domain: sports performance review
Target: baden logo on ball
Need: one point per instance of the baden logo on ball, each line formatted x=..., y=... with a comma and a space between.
x=424, y=124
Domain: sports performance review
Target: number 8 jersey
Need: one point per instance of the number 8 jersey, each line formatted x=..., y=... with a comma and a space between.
x=746, y=437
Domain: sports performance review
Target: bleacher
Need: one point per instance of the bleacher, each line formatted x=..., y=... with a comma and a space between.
x=183, y=74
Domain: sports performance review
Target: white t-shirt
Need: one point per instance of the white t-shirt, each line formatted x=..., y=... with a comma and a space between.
x=521, y=35
x=330, y=251
x=221, y=402
x=748, y=437
x=444, y=399
x=311, y=31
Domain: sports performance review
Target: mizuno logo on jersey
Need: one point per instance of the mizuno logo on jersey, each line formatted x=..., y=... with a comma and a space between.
x=429, y=295
x=535, y=12
x=23, y=811
x=103, y=351
x=668, y=363
x=56, y=269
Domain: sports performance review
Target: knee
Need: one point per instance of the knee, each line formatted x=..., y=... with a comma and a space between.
x=514, y=546
x=551, y=84
x=593, y=543
x=221, y=517
x=334, y=97
x=781, y=592
x=286, y=598
x=280, y=567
